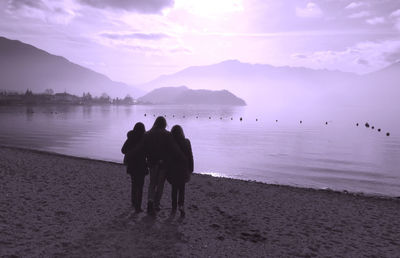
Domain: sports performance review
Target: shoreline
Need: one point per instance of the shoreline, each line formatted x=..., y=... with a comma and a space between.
x=54, y=205
x=361, y=194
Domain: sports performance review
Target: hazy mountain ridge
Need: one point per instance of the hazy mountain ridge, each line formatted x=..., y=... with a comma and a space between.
x=184, y=95
x=234, y=69
x=24, y=66
x=280, y=86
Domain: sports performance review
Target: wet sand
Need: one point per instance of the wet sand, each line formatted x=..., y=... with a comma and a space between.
x=58, y=206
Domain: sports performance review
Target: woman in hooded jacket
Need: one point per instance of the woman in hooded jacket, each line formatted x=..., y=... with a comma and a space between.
x=180, y=171
x=136, y=164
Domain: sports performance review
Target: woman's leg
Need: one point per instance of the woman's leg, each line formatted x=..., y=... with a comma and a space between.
x=181, y=201
x=133, y=190
x=139, y=192
x=174, y=196
x=181, y=191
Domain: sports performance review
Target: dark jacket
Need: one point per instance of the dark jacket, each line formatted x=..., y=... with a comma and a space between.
x=135, y=158
x=159, y=145
x=180, y=171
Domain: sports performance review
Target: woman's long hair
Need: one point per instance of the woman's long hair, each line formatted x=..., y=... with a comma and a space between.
x=138, y=132
x=160, y=123
x=179, y=136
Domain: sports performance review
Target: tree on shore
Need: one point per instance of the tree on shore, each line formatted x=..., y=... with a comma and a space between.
x=105, y=98
x=48, y=91
x=87, y=97
x=128, y=99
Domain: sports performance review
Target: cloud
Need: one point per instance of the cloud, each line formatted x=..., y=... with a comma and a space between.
x=18, y=4
x=362, y=61
x=141, y=6
x=300, y=56
x=393, y=57
x=135, y=35
x=395, y=13
x=361, y=14
x=56, y=12
x=395, y=18
x=157, y=50
x=312, y=10
x=354, y=5
x=376, y=20
x=362, y=57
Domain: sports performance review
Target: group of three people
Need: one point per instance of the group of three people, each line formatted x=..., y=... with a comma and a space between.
x=166, y=156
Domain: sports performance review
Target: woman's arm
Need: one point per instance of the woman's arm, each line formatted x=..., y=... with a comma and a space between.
x=190, y=156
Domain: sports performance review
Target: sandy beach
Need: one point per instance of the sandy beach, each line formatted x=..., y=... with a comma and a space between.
x=58, y=206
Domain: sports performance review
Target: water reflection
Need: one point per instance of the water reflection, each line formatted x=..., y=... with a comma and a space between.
x=268, y=146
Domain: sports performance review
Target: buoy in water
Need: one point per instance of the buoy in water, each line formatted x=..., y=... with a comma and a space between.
x=301, y=121
x=387, y=134
x=241, y=119
x=379, y=129
x=357, y=124
x=367, y=125
x=256, y=119
x=145, y=114
x=326, y=123
x=209, y=117
x=373, y=127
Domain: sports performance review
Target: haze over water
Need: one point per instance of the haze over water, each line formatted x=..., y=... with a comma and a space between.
x=338, y=155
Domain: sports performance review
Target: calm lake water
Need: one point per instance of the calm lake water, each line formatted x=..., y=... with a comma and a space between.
x=338, y=155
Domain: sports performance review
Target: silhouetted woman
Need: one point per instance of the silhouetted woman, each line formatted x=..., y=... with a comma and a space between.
x=180, y=171
x=136, y=164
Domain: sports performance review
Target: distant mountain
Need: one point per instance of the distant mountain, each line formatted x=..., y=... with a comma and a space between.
x=24, y=66
x=380, y=88
x=260, y=83
x=184, y=95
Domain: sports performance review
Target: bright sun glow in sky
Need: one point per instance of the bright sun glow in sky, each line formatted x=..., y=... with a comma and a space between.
x=210, y=8
x=137, y=41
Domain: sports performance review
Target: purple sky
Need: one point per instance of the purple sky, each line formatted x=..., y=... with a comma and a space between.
x=137, y=40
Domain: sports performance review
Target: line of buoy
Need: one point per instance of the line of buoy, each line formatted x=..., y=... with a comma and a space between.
x=367, y=125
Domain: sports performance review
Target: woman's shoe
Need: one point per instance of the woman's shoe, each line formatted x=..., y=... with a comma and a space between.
x=182, y=211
